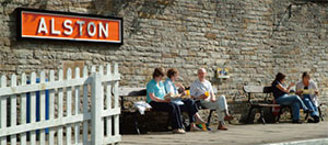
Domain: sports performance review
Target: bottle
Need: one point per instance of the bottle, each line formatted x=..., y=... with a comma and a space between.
x=204, y=128
x=187, y=92
x=207, y=94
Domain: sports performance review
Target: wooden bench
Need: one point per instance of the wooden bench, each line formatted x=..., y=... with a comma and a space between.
x=249, y=90
x=261, y=104
x=135, y=92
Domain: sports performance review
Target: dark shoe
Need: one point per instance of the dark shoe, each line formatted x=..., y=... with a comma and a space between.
x=316, y=119
x=297, y=121
x=308, y=111
x=208, y=127
x=310, y=121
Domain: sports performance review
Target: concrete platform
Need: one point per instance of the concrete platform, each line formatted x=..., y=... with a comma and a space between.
x=236, y=135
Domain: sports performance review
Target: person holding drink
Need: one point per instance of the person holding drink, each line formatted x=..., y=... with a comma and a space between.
x=280, y=93
x=182, y=99
x=307, y=89
x=202, y=89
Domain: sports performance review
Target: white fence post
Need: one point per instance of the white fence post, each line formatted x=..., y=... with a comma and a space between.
x=13, y=102
x=85, y=107
x=33, y=109
x=96, y=110
x=23, y=109
x=52, y=108
x=3, y=116
x=68, y=108
x=116, y=102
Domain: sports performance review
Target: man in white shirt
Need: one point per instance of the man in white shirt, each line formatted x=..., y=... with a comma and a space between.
x=202, y=89
x=307, y=89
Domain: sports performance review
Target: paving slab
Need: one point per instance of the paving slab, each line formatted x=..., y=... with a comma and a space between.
x=236, y=135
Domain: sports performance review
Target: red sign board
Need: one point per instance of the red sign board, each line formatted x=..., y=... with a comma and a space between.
x=41, y=24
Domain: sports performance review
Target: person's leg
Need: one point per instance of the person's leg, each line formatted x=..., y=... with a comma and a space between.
x=215, y=106
x=189, y=107
x=222, y=101
x=299, y=100
x=218, y=109
x=309, y=104
x=295, y=102
x=177, y=115
x=223, y=111
x=296, y=111
x=199, y=119
x=176, y=122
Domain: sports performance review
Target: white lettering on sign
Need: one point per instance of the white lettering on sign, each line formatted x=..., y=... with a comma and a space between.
x=103, y=30
x=68, y=28
x=53, y=31
x=80, y=23
x=42, y=26
x=67, y=25
x=93, y=26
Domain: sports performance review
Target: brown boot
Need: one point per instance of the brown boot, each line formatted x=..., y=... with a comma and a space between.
x=228, y=118
x=222, y=127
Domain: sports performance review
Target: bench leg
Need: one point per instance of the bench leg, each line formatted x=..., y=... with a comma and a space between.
x=280, y=112
x=262, y=115
x=306, y=116
x=249, y=115
x=209, y=118
x=136, y=124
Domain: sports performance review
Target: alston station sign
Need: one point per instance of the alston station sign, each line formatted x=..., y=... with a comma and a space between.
x=42, y=24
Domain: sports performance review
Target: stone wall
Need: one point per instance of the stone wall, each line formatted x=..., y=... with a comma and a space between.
x=254, y=39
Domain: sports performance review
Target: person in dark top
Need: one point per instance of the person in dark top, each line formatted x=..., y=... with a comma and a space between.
x=280, y=93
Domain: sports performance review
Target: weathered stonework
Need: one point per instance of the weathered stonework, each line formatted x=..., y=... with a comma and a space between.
x=254, y=39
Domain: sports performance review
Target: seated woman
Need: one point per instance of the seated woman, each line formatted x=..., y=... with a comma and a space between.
x=308, y=91
x=185, y=104
x=281, y=96
x=158, y=99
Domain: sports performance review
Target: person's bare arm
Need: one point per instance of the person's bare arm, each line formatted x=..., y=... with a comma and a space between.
x=213, y=98
x=316, y=90
x=286, y=90
x=179, y=86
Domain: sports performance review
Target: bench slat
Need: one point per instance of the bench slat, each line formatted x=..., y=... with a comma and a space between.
x=268, y=105
x=253, y=89
x=124, y=91
x=127, y=91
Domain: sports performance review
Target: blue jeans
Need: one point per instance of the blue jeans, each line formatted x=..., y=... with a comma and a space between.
x=308, y=102
x=295, y=102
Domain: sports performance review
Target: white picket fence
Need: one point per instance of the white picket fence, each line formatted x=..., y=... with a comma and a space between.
x=70, y=111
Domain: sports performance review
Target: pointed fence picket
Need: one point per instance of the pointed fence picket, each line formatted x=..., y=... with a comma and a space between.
x=65, y=111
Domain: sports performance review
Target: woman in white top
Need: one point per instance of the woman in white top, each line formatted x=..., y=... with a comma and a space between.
x=186, y=104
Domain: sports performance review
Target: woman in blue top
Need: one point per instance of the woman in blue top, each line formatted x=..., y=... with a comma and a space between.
x=156, y=97
x=185, y=104
x=280, y=93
